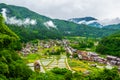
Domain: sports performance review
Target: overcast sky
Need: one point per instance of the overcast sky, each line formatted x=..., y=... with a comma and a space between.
x=65, y=9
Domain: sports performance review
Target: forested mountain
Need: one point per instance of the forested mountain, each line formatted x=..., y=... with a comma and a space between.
x=115, y=26
x=91, y=21
x=110, y=45
x=29, y=25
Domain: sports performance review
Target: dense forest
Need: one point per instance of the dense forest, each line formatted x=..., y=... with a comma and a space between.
x=114, y=26
x=27, y=34
x=11, y=65
x=110, y=45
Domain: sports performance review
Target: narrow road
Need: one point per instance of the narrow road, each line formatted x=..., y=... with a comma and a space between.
x=69, y=51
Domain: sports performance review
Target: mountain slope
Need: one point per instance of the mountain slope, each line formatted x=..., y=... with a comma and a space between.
x=115, y=26
x=93, y=22
x=6, y=35
x=19, y=19
x=11, y=65
x=29, y=25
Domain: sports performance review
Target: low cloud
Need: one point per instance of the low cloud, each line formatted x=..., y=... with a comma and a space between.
x=66, y=9
x=109, y=21
x=15, y=21
x=50, y=24
x=4, y=13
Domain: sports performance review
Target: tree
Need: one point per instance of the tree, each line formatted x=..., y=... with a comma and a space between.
x=11, y=65
x=105, y=74
x=110, y=45
x=68, y=75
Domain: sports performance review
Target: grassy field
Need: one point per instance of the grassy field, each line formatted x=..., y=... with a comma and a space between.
x=81, y=65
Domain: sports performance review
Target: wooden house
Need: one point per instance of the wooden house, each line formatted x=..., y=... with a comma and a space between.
x=109, y=58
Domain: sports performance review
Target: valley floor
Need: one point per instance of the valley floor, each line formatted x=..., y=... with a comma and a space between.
x=53, y=53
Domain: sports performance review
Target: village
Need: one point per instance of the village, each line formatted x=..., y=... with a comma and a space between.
x=50, y=45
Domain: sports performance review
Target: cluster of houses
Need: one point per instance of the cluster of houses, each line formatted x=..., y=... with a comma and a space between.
x=49, y=44
x=92, y=56
x=113, y=60
x=32, y=48
x=29, y=48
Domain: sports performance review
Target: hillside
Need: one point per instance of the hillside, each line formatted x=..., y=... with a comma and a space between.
x=91, y=21
x=11, y=65
x=29, y=25
x=115, y=26
x=19, y=20
x=6, y=35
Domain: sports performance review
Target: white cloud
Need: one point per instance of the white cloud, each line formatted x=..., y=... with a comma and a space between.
x=65, y=9
x=109, y=21
x=4, y=13
x=14, y=20
x=49, y=24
